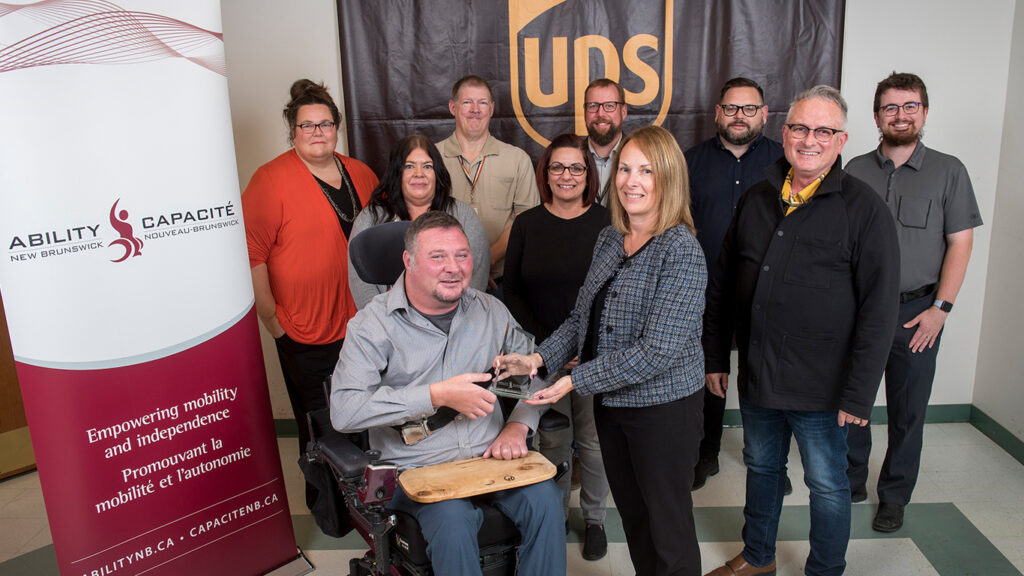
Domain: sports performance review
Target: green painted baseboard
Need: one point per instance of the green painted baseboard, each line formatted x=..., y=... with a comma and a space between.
x=1001, y=436
x=286, y=428
x=937, y=414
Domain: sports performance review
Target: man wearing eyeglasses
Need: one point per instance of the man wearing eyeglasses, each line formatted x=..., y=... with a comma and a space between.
x=495, y=178
x=604, y=109
x=930, y=195
x=807, y=280
x=721, y=169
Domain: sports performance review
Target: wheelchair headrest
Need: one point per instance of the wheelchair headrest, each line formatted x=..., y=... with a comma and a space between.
x=376, y=253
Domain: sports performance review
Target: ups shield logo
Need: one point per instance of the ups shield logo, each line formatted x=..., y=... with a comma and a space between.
x=547, y=37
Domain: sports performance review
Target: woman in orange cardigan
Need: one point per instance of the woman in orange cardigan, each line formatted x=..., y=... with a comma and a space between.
x=298, y=210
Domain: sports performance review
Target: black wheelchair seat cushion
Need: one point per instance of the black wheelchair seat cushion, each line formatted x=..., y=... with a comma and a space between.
x=496, y=530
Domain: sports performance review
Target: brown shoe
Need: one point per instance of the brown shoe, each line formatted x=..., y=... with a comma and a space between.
x=739, y=567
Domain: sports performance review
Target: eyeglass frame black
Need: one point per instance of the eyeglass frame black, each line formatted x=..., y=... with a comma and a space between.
x=896, y=108
x=757, y=108
x=603, y=105
x=310, y=128
x=553, y=169
x=831, y=131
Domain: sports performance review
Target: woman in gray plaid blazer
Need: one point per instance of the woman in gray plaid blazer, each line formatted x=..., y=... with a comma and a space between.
x=636, y=328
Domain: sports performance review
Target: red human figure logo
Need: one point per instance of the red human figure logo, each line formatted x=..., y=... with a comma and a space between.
x=119, y=221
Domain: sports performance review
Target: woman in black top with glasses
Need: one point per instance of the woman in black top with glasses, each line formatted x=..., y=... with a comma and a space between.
x=549, y=251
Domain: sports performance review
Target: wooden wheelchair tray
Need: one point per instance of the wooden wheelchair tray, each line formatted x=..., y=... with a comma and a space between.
x=473, y=477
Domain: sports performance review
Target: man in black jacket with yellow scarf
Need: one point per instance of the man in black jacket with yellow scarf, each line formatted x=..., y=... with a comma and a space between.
x=808, y=281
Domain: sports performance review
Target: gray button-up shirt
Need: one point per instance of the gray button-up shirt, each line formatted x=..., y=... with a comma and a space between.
x=930, y=197
x=392, y=354
x=604, y=169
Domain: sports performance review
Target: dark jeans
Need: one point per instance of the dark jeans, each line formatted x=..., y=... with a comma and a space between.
x=908, y=386
x=305, y=367
x=714, y=415
x=822, y=444
x=649, y=454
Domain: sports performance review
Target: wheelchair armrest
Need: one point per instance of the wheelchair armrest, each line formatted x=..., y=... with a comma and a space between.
x=552, y=421
x=342, y=455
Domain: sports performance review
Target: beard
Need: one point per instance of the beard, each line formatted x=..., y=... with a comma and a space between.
x=448, y=296
x=741, y=139
x=605, y=138
x=447, y=299
x=902, y=138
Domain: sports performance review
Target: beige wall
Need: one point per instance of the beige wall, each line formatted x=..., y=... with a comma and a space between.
x=269, y=44
x=999, y=384
x=953, y=71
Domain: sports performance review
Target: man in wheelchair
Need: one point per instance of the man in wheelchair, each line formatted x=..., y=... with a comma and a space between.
x=423, y=346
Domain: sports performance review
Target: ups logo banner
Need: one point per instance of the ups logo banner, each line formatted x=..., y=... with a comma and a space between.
x=400, y=59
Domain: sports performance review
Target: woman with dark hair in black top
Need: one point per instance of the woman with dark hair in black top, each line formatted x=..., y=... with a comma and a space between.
x=549, y=251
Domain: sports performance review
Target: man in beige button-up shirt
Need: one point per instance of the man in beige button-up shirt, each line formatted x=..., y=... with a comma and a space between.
x=495, y=178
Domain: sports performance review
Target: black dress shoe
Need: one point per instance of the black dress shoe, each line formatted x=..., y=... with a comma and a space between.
x=889, y=518
x=706, y=467
x=858, y=495
x=595, y=543
x=789, y=487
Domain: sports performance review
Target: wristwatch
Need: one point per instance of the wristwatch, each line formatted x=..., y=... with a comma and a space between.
x=943, y=305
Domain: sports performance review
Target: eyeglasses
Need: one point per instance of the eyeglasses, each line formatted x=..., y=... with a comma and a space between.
x=908, y=107
x=609, y=107
x=574, y=169
x=800, y=131
x=309, y=128
x=748, y=109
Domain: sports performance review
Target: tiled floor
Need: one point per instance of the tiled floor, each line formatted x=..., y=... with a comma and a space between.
x=967, y=517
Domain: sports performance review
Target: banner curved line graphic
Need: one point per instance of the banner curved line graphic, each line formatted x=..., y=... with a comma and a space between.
x=57, y=11
x=98, y=32
x=141, y=358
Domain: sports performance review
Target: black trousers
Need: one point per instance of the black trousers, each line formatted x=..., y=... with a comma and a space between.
x=714, y=414
x=908, y=386
x=649, y=455
x=305, y=367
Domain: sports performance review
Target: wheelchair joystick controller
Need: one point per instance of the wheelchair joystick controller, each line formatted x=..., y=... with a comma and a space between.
x=379, y=481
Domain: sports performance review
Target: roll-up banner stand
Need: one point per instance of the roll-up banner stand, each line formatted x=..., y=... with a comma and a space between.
x=128, y=295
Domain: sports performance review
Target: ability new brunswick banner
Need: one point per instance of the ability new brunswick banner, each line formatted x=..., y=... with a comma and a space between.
x=128, y=294
x=400, y=59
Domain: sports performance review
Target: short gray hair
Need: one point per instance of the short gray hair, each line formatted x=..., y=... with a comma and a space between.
x=822, y=92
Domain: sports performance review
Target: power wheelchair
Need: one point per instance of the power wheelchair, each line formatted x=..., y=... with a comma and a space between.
x=365, y=484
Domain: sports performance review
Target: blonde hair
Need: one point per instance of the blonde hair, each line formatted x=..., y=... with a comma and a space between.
x=671, y=180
